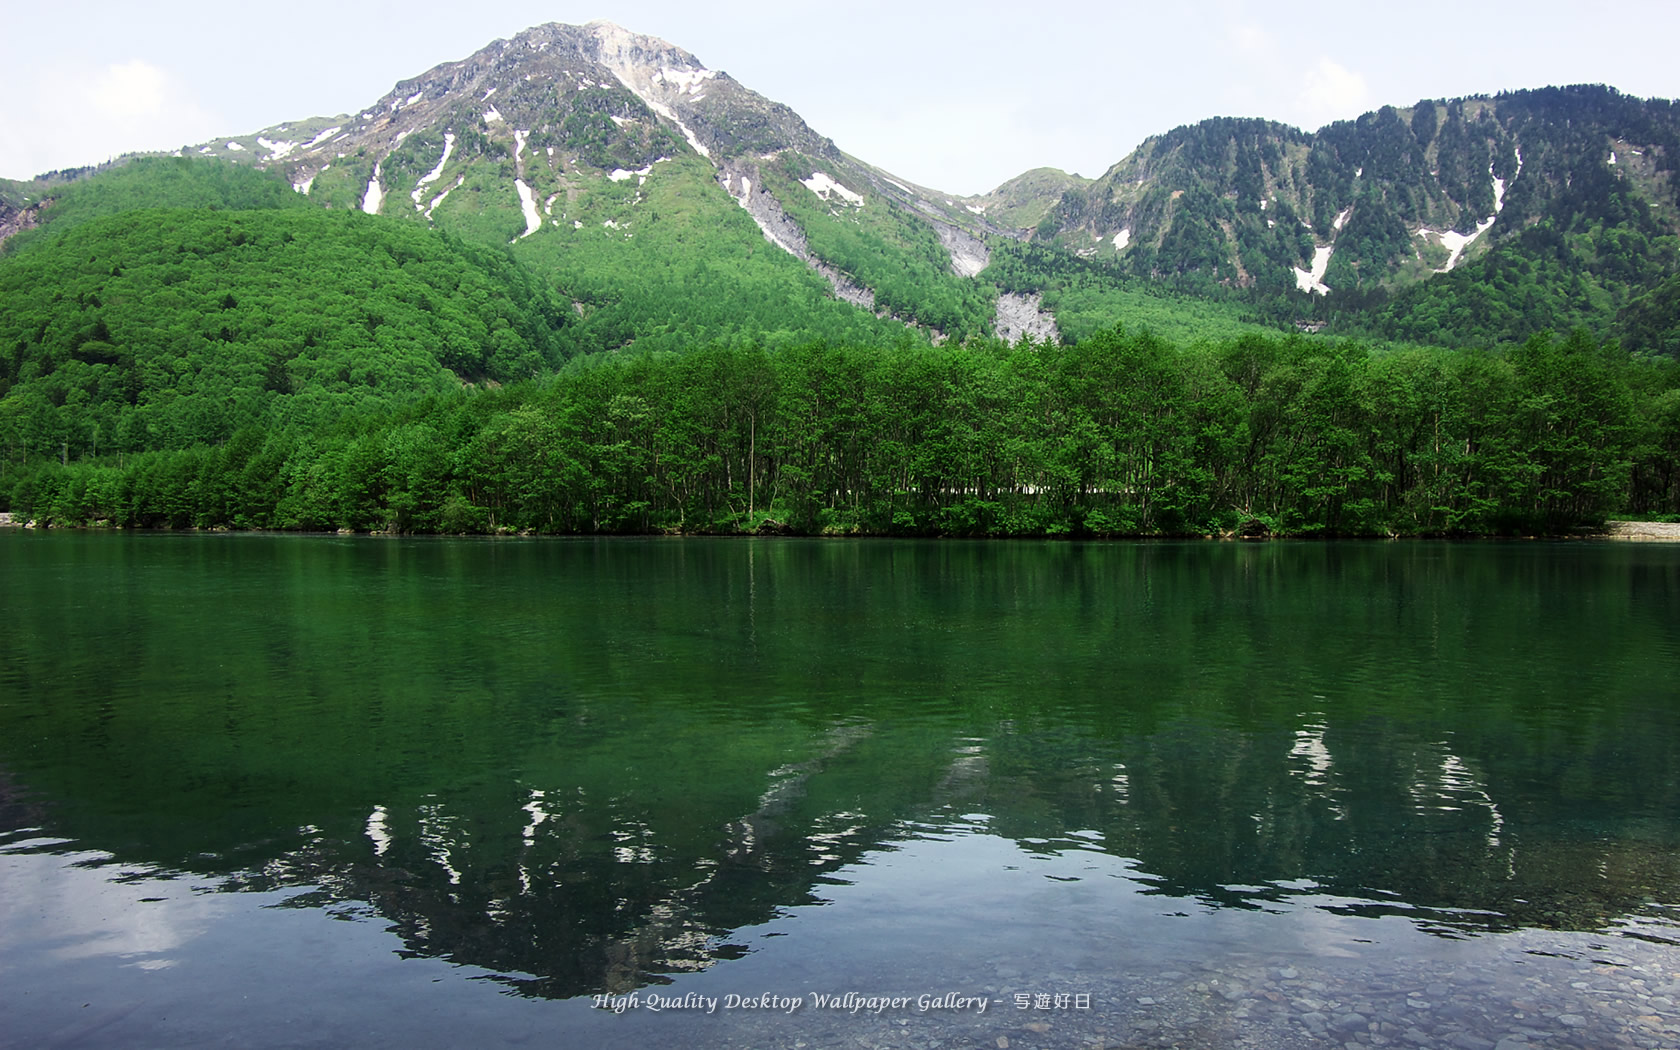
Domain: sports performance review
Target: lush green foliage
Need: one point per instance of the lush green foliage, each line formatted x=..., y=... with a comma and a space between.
x=165, y=329
x=882, y=248
x=1119, y=435
x=160, y=182
x=671, y=262
x=1589, y=227
x=1089, y=296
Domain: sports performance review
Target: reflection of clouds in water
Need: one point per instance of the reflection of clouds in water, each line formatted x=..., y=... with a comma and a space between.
x=81, y=913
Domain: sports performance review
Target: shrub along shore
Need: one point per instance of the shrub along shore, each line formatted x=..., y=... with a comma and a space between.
x=1122, y=434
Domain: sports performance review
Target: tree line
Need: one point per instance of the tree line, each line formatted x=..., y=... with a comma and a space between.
x=1122, y=434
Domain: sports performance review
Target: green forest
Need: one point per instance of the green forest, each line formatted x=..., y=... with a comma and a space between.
x=187, y=344
x=1120, y=435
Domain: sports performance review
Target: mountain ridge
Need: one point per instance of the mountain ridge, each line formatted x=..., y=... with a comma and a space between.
x=556, y=140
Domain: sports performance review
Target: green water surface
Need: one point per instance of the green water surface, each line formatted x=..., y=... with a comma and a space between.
x=526, y=773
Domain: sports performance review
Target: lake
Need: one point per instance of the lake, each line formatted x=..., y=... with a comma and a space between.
x=278, y=791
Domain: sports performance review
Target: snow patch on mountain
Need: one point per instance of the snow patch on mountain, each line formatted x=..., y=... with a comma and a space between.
x=439, y=198
x=823, y=185
x=277, y=150
x=1313, y=280
x=1121, y=239
x=436, y=173
x=1456, y=242
x=778, y=227
x=1342, y=218
x=688, y=80
x=528, y=205
x=375, y=195
x=665, y=111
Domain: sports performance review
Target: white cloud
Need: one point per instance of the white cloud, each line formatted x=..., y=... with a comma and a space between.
x=1250, y=40
x=130, y=90
x=1331, y=92
x=86, y=114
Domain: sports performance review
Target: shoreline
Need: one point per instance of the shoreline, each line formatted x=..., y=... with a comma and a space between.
x=1614, y=529
x=1643, y=531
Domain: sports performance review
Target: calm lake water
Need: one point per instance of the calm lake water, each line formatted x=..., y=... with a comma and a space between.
x=316, y=791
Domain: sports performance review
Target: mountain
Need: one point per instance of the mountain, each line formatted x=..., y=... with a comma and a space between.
x=167, y=328
x=601, y=155
x=674, y=206
x=1576, y=181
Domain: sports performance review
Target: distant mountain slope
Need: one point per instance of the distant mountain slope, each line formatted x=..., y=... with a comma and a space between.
x=671, y=204
x=576, y=140
x=1389, y=199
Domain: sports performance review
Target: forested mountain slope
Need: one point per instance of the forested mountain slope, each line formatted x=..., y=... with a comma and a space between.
x=707, y=316
x=160, y=328
x=672, y=204
x=600, y=154
x=1465, y=221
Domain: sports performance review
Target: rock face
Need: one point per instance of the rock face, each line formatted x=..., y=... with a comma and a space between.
x=573, y=107
x=743, y=182
x=1393, y=197
x=969, y=254
x=1023, y=315
x=14, y=220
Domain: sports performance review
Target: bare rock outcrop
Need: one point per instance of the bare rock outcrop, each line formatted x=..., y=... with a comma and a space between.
x=1023, y=315
x=15, y=220
x=742, y=182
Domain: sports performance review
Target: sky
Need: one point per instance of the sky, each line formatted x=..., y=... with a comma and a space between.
x=955, y=96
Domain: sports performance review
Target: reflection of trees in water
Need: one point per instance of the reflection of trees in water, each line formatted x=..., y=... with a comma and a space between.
x=1372, y=810
x=566, y=891
x=609, y=813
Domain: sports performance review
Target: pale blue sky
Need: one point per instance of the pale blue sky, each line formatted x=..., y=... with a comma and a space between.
x=957, y=96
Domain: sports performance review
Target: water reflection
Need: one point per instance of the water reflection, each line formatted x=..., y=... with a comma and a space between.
x=592, y=767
